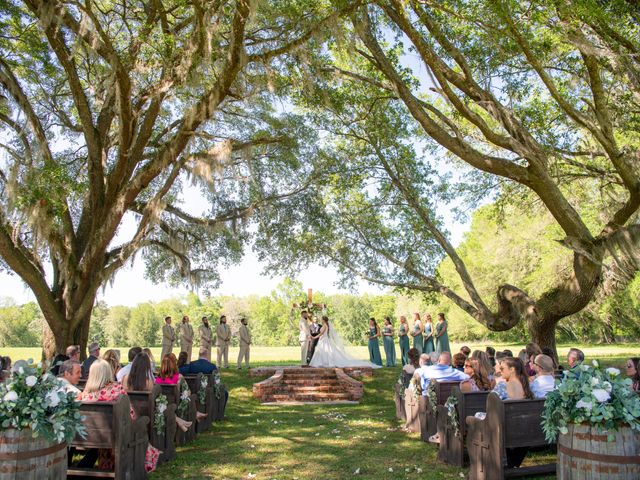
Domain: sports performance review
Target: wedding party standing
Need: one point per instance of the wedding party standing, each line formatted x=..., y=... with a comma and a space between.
x=416, y=333
x=304, y=337
x=223, y=333
x=244, y=337
x=403, y=340
x=205, y=338
x=427, y=342
x=314, y=330
x=330, y=351
x=186, y=337
x=387, y=342
x=168, y=337
x=442, y=337
x=374, y=344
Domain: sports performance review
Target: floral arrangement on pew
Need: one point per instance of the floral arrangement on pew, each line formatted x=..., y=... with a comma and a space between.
x=452, y=413
x=401, y=383
x=591, y=395
x=35, y=399
x=431, y=397
x=202, y=391
x=185, y=397
x=217, y=384
x=159, y=422
x=414, y=388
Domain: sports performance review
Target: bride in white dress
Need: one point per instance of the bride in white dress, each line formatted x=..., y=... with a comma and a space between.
x=330, y=351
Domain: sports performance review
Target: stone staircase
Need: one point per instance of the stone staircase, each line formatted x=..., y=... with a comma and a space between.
x=302, y=385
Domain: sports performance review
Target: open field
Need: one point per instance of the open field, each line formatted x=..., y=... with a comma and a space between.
x=267, y=355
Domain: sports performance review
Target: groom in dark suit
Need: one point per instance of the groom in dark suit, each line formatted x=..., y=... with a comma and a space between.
x=314, y=329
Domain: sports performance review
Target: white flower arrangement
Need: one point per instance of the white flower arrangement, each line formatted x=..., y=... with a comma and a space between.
x=34, y=399
x=202, y=391
x=217, y=384
x=593, y=396
x=185, y=397
x=159, y=420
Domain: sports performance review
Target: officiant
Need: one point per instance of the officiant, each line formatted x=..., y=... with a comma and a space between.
x=314, y=329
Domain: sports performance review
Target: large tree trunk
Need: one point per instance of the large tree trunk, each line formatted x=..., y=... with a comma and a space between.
x=55, y=341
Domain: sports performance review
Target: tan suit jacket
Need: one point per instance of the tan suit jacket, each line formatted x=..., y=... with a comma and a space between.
x=186, y=339
x=168, y=337
x=244, y=335
x=205, y=340
x=223, y=333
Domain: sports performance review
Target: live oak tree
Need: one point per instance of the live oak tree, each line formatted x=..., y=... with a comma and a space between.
x=431, y=103
x=152, y=127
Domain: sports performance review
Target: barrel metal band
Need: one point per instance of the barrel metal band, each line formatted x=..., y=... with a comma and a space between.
x=600, y=457
x=32, y=453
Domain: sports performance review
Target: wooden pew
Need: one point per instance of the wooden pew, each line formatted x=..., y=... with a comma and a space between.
x=428, y=418
x=219, y=404
x=195, y=382
x=109, y=425
x=412, y=408
x=144, y=404
x=452, y=447
x=399, y=396
x=173, y=396
x=508, y=424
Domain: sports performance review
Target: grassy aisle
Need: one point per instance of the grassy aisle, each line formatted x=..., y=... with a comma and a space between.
x=308, y=442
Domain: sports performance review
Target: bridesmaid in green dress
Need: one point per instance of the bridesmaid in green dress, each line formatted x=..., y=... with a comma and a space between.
x=387, y=341
x=442, y=337
x=374, y=345
x=428, y=335
x=403, y=337
x=416, y=333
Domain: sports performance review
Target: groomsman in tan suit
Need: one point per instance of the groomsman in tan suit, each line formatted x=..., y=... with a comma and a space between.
x=223, y=333
x=245, y=342
x=205, y=339
x=186, y=337
x=304, y=337
x=168, y=337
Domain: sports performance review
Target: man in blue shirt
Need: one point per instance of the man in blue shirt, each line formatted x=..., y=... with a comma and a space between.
x=202, y=365
x=442, y=371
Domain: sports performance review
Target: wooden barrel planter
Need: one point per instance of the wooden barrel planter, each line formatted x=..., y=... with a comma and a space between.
x=23, y=457
x=585, y=453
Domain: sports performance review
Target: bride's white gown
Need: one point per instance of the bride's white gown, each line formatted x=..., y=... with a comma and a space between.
x=330, y=352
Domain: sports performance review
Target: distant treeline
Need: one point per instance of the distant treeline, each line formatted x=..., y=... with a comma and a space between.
x=273, y=320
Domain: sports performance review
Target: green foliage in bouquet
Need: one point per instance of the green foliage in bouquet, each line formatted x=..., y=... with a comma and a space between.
x=588, y=394
x=159, y=421
x=185, y=397
x=35, y=399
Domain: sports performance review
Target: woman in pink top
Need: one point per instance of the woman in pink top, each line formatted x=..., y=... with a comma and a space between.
x=169, y=375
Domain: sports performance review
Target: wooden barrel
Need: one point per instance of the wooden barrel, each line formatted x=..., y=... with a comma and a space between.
x=585, y=453
x=23, y=457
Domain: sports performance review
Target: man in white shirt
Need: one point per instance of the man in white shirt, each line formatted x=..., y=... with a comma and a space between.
x=544, y=381
x=442, y=371
x=304, y=337
x=69, y=374
x=127, y=368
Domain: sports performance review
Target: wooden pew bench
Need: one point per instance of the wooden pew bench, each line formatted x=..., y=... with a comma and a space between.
x=195, y=383
x=144, y=404
x=452, y=447
x=109, y=426
x=399, y=392
x=508, y=424
x=428, y=413
x=172, y=393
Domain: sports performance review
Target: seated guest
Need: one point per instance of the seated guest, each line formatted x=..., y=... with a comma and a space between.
x=532, y=350
x=5, y=368
x=483, y=363
x=508, y=353
x=69, y=374
x=409, y=369
x=169, y=375
x=632, y=372
x=57, y=361
x=478, y=372
x=139, y=377
x=491, y=353
x=127, y=368
x=441, y=371
x=73, y=352
x=466, y=351
x=182, y=359
x=94, y=354
x=497, y=374
x=202, y=365
x=549, y=353
x=574, y=358
x=100, y=387
x=112, y=358
x=150, y=355
x=516, y=383
x=544, y=381
x=458, y=361
x=433, y=358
